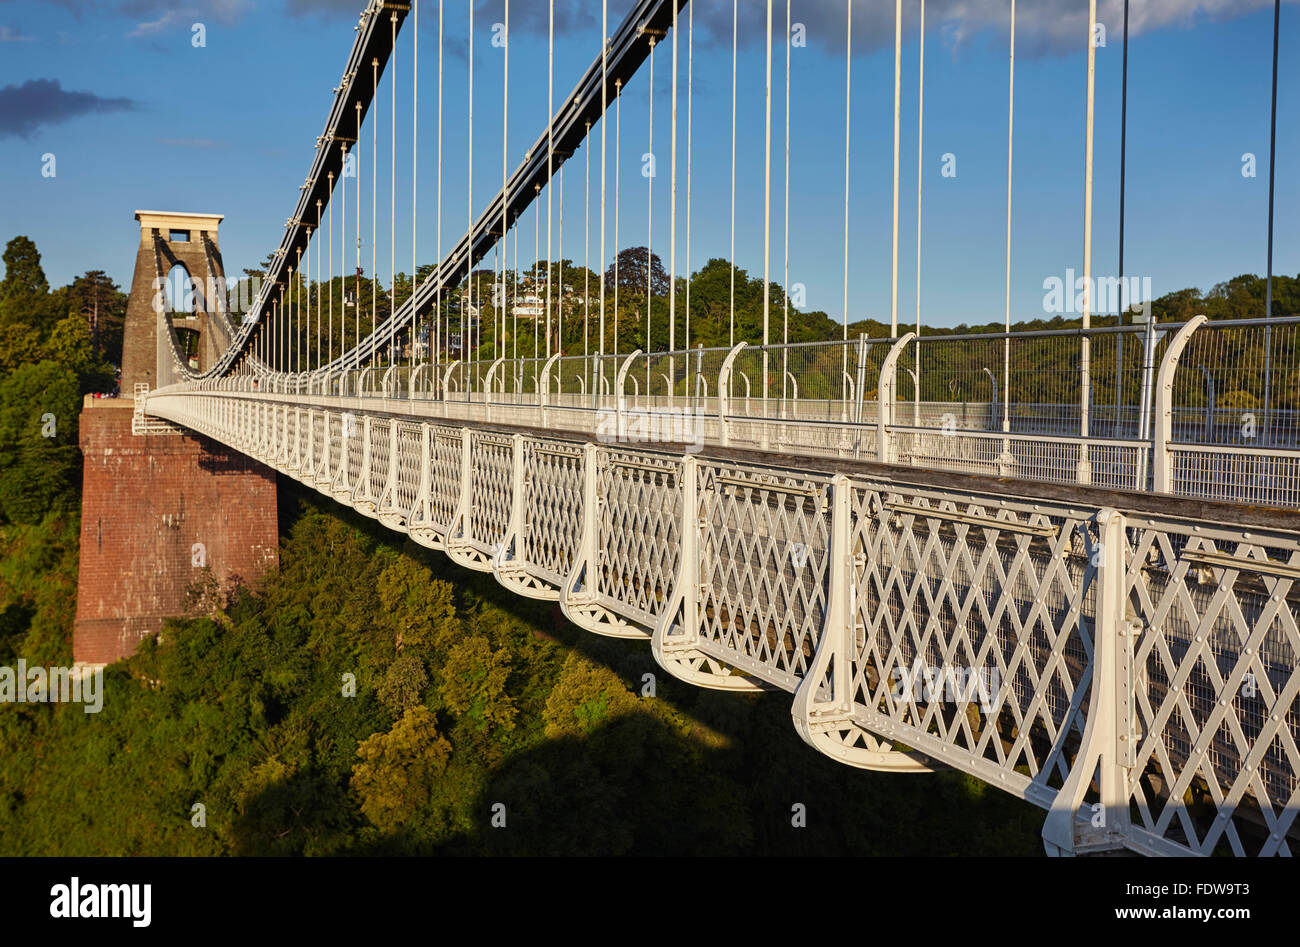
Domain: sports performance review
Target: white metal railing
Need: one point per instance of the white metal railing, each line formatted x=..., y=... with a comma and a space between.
x=1201, y=409
x=1135, y=675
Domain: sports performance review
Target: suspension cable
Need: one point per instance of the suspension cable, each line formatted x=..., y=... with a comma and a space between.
x=356, y=295
x=550, y=159
x=672, y=219
x=374, y=221
x=467, y=299
x=618, y=171
x=690, y=88
x=898, y=66
x=735, y=18
x=330, y=330
x=586, y=245
x=392, y=216
x=767, y=200
x=415, y=164
x=1268, y=286
x=537, y=258
x=785, y=275
x=848, y=88
x=604, y=95
x=437, y=315
x=505, y=180
x=343, y=260
x=1084, y=353
x=311, y=367
x=559, y=273
x=650, y=187
x=1006, y=342
x=318, y=284
x=920, y=137
x=514, y=309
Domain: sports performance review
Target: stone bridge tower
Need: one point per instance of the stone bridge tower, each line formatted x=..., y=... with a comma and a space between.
x=166, y=241
x=163, y=511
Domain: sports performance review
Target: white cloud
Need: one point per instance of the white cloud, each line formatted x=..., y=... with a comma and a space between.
x=1043, y=27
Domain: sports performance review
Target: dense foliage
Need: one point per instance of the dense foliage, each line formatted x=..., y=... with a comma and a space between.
x=465, y=698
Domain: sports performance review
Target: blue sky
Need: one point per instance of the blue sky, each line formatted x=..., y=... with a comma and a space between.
x=141, y=118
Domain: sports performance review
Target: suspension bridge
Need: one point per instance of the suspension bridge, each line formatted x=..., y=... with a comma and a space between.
x=1079, y=586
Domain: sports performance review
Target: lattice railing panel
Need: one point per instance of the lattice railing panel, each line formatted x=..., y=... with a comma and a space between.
x=974, y=632
x=407, y=481
x=1217, y=689
x=445, y=448
x=381, y=439
x=763, y=568
x=552, y=527
x=492, y=489
x=639, y=532
x=337, y=445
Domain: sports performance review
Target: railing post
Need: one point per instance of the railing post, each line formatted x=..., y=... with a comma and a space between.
x=592, y=504
x=487, y=388
x=390, y=477
x=461, y=515
x=1107, y=750
x=544, y=388
x=1162, y=475
x=511, y=547
x=363, y=472
x=724, y=394
x=446, y=380
x=886, y=397
x=311, y=448
x=620, y=407
x=426, y=464
x=685, y=593
x=860, y=399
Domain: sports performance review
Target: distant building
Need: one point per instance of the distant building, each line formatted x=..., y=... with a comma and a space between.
x=529, y=307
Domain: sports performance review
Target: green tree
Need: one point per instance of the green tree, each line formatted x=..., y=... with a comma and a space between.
x=102, y=306
x=585, y=697
x=24, y=291
x=473, y=684
x=417, y=611
x=399, y=770
x=39, y=459
x=403, y=684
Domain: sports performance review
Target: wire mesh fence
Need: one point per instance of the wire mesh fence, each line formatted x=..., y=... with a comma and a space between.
x=1239, y=385
x=1112, y=406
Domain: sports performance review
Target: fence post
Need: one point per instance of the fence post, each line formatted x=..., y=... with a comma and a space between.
x=544, y=387
x=620, y=407
x=886, y=397
x=1162, y=421
x=362, y=481
x=686, y=590
x=487, y=388
x=426, y=471
x=587, y=561
x=446, y=380
x=724, y=394
x=511, y=545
